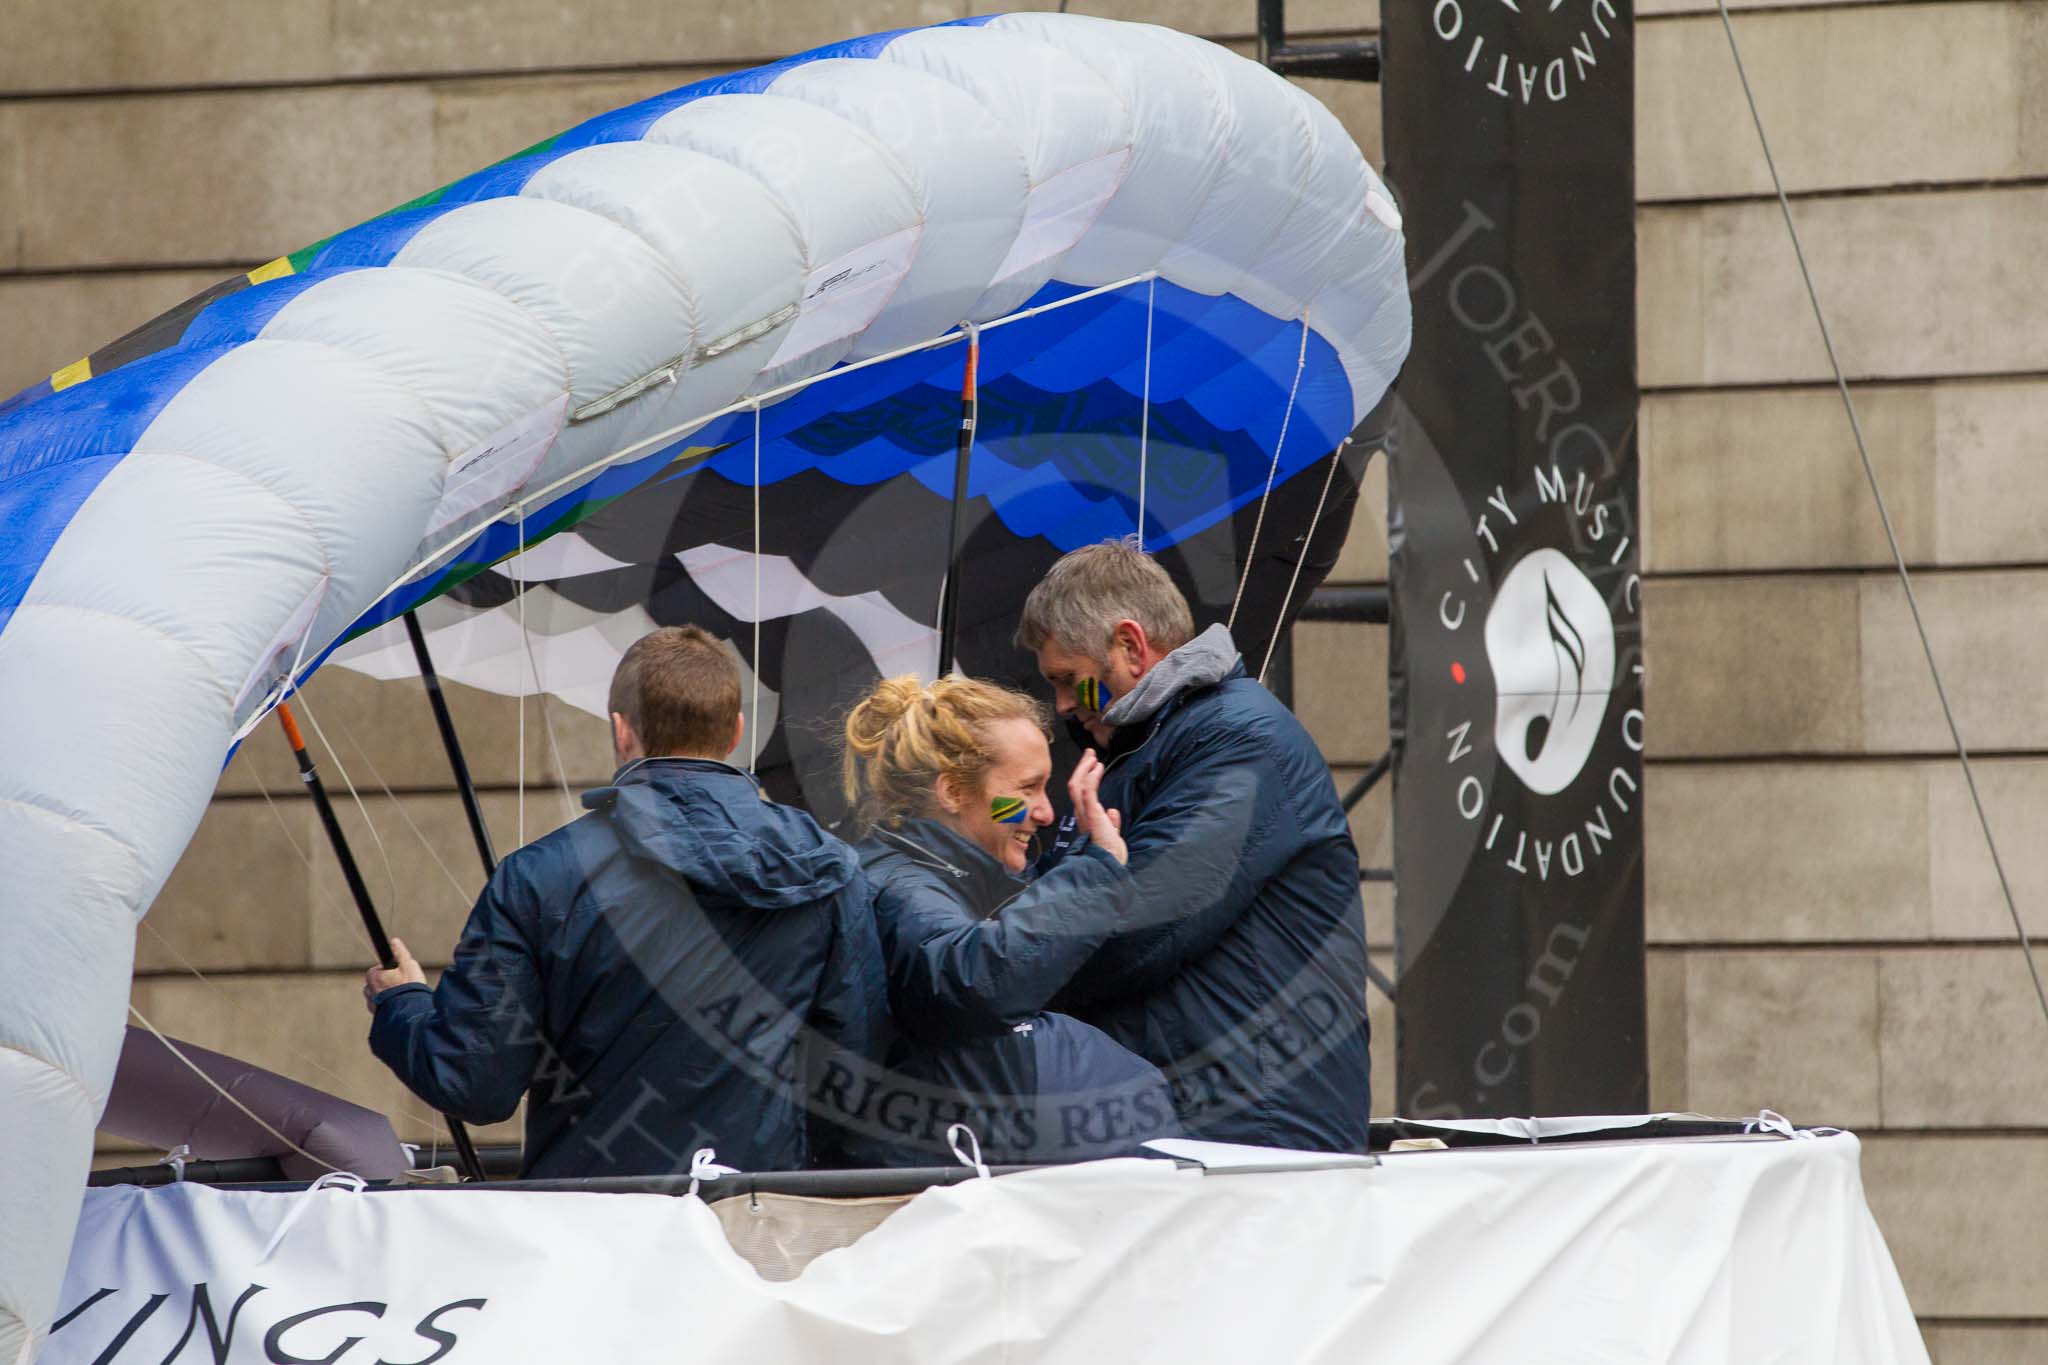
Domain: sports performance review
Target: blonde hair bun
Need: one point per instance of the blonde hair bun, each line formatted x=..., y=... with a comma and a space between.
x=906, y=734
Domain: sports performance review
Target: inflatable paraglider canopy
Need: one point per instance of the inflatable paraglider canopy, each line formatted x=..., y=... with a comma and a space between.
x=701, y=358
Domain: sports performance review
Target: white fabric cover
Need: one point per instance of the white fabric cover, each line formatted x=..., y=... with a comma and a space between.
x=629, y=288
x=1693, y=1253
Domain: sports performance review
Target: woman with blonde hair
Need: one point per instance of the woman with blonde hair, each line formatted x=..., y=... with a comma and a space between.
x=948, y=781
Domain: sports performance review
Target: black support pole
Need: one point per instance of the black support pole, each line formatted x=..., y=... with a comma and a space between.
x=456, y=764
x=373, y=925
x=949, y=597
x=1341, y=59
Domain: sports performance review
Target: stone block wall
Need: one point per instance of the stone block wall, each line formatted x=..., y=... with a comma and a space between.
x=1826, y=936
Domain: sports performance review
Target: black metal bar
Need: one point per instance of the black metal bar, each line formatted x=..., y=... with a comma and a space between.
x=336, y=840
x=456, y=764
x=1341, y=59
x=949, y=596
x=910, y=1180
x=465, y=1151
x=373, y=925
x=247, y=1170
x=1366, y=606
x=1280, y=672
x=1367, y=780
x=1335, y=59
x=1375, y=874
x=496, y=1158
x=861, y=1184
x=1380, y=979
x=1272, y=29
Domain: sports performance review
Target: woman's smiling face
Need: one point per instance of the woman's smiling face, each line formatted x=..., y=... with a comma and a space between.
x=1022, y=768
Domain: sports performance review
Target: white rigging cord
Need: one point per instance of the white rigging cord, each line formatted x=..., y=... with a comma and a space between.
x=320, y=893
x=462, y=893
x=1884, y=516
x=1279, y=443
x=222, y=1090
x=754, y=719
x=1280, y=619
x=304, y=1058
x=547, y=718
x=1145, y=407
x=521, y=778
x=765, y=399
x=383, y=854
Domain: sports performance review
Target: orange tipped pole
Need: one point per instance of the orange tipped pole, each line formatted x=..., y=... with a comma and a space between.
x=380, y=943
x=353, y=875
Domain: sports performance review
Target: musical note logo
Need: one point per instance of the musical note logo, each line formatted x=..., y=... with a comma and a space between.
x=1550, y=647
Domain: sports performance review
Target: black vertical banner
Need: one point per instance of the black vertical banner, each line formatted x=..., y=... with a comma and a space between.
x=1516, y=672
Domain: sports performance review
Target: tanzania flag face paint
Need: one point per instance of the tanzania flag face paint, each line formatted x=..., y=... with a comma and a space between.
x=1009, y=810
x=1090, y=695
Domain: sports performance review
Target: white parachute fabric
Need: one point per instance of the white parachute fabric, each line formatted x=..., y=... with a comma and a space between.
x=1694, y=1253
x=187, y=532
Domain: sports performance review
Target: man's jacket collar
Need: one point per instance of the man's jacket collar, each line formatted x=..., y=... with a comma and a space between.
x=1204, y=661
x=655, y=769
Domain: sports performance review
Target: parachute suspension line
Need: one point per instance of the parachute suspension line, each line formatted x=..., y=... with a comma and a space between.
x=1884, y=517
x=766, y=399
x=754, y=724
x=462, y=893
x=522, y=700
x=458, y=766
x=321, y=898
x=547, y=720
x=334, y=832
x=380, y=943
x=297, y=1057
x=1144, y=400
x=1329, y=477
x=547, y=717
x=304, y=1059
x=223, y=1091
x=1259, y=522
x=963, y=459
x=303, y=855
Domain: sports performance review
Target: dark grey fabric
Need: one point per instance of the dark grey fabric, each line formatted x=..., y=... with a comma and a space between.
x=161, y=1102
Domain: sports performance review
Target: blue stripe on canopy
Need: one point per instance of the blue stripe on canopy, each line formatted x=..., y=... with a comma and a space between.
x=55, y=452
x=1058, y=449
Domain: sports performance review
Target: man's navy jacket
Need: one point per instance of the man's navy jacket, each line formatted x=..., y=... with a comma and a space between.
x=1241, y=973
x=674, y=970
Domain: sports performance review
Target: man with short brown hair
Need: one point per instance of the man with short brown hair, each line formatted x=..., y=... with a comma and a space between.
x=673, y=971
x=676, y=691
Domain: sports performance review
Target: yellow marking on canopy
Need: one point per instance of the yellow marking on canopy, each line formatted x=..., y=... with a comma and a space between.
x=276, y=270
x=77, y=372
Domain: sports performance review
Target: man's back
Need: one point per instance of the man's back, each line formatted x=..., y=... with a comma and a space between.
x=660, y=976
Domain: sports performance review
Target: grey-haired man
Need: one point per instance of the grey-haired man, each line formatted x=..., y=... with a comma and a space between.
x=1242, y=976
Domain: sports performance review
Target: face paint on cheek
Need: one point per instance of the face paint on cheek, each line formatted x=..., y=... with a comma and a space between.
x=1009, y=810
x=1091, y=696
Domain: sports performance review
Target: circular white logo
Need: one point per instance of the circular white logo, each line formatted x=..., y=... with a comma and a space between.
x=1550, y=646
